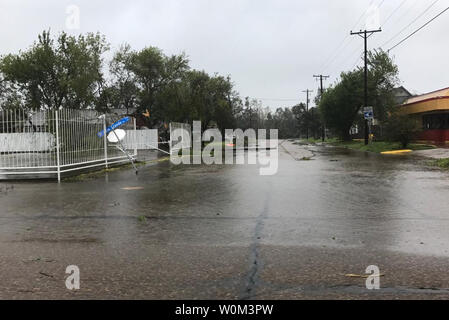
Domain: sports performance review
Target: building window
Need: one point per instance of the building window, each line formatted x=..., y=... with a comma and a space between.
x=436, y=121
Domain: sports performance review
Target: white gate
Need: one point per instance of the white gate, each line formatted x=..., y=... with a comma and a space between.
x=51, y=143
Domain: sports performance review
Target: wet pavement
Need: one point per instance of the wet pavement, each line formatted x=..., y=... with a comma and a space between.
x=225, y=232
x=438, y=153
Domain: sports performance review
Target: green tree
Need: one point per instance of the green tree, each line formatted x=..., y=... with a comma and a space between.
x=123, y=91
x=340, y=104
x=308, y=121
x=153, y=72
x=249, y=115
x=66, y=72
x=382, y=79
x=224, y=97
x=285, y=121
x=198, y=96
x=10, y=97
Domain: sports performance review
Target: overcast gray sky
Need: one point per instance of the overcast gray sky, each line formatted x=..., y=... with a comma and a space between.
x=271, y=48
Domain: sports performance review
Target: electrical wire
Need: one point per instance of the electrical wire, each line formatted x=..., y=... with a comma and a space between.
x=339, y=48
x=393, y=12
x=413, y=21
x=276, y=99
x=417, y=30
x=337, y=54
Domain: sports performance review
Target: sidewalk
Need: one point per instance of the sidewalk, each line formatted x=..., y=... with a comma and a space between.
x=439, y=153
x=298, y=152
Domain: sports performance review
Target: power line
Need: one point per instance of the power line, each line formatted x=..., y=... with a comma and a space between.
x=405, y=13
x=337, y=51
x=366, y=11
x=276, y=99
x=399, y=43
x=393, y=12
x=417, y=30
x=359, y=58
x=336, y=55
x=414, y=20
x=394, y=24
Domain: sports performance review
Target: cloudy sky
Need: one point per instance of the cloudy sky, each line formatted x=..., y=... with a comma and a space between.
x=271, y=48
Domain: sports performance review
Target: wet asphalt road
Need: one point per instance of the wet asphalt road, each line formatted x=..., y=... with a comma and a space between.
x=225, y=232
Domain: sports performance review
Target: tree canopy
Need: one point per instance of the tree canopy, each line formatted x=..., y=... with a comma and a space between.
x=70, y=72
x=341, y=104
x=66, y=72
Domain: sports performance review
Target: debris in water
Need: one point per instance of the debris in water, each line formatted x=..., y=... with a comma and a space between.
x=132, y=188
x=351, y=275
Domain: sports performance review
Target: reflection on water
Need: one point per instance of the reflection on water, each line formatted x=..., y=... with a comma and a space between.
x=340, y=199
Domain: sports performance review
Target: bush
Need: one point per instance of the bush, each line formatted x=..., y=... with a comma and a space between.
x=401, y=128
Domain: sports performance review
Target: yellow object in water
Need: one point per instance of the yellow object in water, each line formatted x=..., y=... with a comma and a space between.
x=397, y=151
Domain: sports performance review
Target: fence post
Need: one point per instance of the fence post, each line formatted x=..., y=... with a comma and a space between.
x=135, y=138
x=105, y=139
x=58, y=163
x=169, y=141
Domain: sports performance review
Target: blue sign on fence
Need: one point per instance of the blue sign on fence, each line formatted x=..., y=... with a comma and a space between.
x=113, y=126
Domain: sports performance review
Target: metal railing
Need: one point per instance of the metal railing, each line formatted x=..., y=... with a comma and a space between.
x=51, y=143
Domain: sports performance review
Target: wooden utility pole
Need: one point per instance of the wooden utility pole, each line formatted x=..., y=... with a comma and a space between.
x=307, y=91
x=365, y=35
x=323, y=129
x=307, y=101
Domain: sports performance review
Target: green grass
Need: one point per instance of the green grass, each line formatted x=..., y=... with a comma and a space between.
x=379, y=146
x=314, y=141
x=376, y=146
x=442, y=163
x=142, y=219
x=94, y=174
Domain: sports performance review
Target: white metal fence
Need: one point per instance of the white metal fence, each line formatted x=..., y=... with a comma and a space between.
x=52, y=143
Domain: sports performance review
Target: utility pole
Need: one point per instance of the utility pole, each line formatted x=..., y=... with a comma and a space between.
x=248, y=105
x=307, y=109
x=323, y=129
x=307, y=102
x=365, y=35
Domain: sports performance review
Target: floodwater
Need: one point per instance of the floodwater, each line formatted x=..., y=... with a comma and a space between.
x=226, y=232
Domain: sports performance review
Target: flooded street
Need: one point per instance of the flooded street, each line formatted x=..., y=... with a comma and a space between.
x=225, y=232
